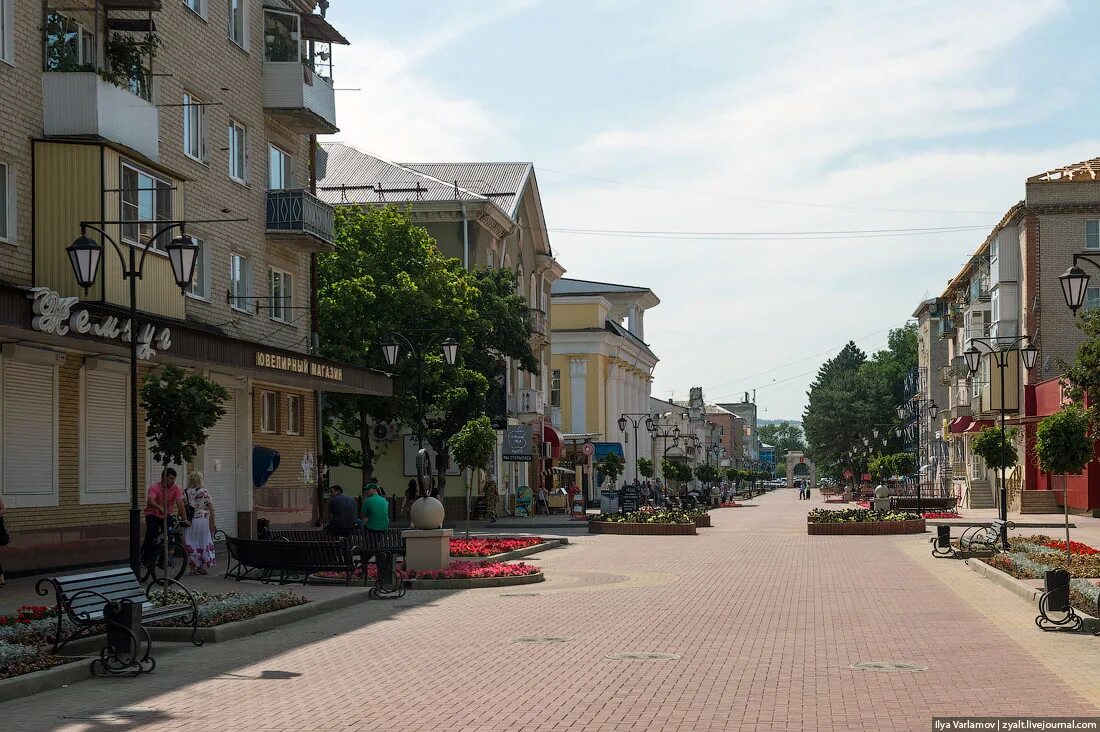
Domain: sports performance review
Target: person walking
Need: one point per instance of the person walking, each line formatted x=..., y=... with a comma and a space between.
x=198, y=538
x=162, y=496
x=542, y=504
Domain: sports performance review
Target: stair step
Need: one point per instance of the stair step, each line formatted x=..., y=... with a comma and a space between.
x=981, y=494
x=1038, y=502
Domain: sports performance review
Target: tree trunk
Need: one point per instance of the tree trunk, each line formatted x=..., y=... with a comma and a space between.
x=367, y=469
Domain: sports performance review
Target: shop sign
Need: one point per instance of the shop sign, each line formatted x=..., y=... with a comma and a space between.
x=54, y=314
x=299, y=366
x=517, y=443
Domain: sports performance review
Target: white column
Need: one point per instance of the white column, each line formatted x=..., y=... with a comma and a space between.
x=610, y=396
x=621, y=387
x=578, y=395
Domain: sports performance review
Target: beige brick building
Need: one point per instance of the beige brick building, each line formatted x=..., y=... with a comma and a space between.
x=132, y=121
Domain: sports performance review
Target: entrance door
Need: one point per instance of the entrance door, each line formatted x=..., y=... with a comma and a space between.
x=220, y=470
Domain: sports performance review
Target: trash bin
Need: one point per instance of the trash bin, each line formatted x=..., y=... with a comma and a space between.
x=120, y=617
x=943, y=537
x=609, y=501
x=1056, y=585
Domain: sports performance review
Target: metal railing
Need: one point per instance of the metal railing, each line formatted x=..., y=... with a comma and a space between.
x=538, y=322
x=299, y=211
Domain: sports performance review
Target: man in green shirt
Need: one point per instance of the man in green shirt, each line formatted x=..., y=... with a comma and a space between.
x=376, y=510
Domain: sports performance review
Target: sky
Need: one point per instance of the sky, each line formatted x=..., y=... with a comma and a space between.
x=700, y=121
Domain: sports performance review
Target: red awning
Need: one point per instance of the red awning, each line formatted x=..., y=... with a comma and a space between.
x=959, y=424
x=978, y=425
x=551, y=434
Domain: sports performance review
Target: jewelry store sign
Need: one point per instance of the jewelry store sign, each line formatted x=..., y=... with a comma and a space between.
x=54, y=314
x=299, y=366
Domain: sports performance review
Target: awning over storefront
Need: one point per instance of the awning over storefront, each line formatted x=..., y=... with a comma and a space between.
x=959, y=424
x=553, y=435
x=978, y=425
x=603, y=449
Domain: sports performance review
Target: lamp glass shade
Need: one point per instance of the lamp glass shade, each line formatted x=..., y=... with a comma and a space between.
x=85, y=255
x=183, y=253
x=649, y=424
x=973, y=359
x=897, y=432
x=901, y=411
x=875, y=432
x=622, y=424
x=450, y=351
x=866, y=442
x=1029, y=355
x=884, y=442
x=390, y=349
x=933, y=410
x=676, y=432
x=1075, y=282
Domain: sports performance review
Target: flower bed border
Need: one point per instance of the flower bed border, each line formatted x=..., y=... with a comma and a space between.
x=473, y=582
x=1027, y=592
x=866, y=528
x=613, y=527
x=702, y=521
x=24, y=685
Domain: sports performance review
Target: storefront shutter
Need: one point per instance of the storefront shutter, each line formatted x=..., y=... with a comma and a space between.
x=105, y=468
x=221, y=466
x=30, y=433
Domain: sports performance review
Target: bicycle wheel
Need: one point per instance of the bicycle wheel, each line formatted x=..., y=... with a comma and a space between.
x=171, y=567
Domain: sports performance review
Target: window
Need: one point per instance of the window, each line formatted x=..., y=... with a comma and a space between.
x=555, y=388
x=1092, y=234
x=7, y=204
x=237, y=11
x=194, y=127
x=69, y=45
x=240, y=283
x=7, y=31
x=282, y=40
x=196, y=6
x=146, y=200
x=200, y=283
x=238, y=151
x=1092, y=298
x=293, y=414
x=278, y=169
x=282, y=295
x=269, y=412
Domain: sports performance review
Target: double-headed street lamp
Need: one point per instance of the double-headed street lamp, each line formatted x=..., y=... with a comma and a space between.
x=636, y=419
x=664, y=431
x=999, y=349
x=391, y=349
x=86, y=257
x=914, y=409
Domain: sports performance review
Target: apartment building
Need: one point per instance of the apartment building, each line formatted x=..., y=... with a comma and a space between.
x=933, y=377
x=133, y=121
x=486, y=215
x=749, y=439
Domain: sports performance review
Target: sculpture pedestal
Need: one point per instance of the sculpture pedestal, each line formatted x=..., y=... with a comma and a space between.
x=881, y=504
x=427, y=549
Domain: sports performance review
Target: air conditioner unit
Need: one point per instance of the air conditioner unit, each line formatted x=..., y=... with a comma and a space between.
x=385, y=432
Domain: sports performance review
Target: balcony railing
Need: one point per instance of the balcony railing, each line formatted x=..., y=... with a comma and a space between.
x=81, y=103
x=946, y=328
x=299, y=97
x=301, y=218
x=538, y=323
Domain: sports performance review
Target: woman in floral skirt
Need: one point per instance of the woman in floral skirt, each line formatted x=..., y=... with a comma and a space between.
x=198, y=538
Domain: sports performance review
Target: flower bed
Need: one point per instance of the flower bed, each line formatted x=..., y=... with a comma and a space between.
x=227, y=607
x=941, y=515
x=491, y=547
x=647, y=516
x=860, y=521
x=729, y=504
x=457, y=570
x=1031, y=556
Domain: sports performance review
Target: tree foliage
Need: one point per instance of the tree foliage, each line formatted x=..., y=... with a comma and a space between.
x=1062, y=442
x=180, y=410
x=645, y=467
x=612, y=466
x=473, y=446
x=705, y=473
x=784, y=436
x=988, y=446
x=676, y=470
x=887, y=465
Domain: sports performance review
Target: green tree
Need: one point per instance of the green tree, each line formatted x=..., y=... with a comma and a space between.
x=705, y=473
x=988, y=446
x=611, y=466
x=180, y=410
x=645, y=467
x=784, y=436
x=1062, y=446
x=473, y=447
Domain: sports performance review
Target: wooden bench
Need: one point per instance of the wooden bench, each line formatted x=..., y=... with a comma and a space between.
x=384, y=547
x=986, y=537
x=287, y=558
x=909, y=503
x=94, y=601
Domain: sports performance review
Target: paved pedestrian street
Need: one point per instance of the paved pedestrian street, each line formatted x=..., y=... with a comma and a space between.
x=761, y=625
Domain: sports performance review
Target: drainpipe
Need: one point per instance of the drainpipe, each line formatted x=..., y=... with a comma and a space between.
x=314, y=348
x=465, y=234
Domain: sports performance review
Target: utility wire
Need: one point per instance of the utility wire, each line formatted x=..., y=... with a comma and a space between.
x=765, y=235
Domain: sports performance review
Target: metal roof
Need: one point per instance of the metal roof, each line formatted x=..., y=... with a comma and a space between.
x=1084, y=171
x=348, y=175
x=502, y=183
x=568, y=286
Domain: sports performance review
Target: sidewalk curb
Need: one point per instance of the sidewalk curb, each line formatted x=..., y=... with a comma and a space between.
x=518, y=553
x=1031, y=594
x=18, y=687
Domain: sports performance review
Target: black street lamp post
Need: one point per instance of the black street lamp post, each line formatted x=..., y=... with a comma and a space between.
x=86, y=257
x=998, y=349
x=391, y=349
x=636, y=419
x=915, y=409
x=664, y=431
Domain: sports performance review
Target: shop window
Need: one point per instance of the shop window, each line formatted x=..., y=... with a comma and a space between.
x=104, y=433
x=293, y=414
x=269, y=412
x=29, y=427
x=146, y=201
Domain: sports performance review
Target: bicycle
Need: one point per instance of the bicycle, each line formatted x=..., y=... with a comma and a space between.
x=172, y=565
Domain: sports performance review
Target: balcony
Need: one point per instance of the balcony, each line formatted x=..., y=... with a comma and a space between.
x=538, y=324
x=299, y=97
x=530, y=401
x=82, y=104
x=979, y=289
x=299, y=219
x=946, y=328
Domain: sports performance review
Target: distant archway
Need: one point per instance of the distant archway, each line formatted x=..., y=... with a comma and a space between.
x=801, y=468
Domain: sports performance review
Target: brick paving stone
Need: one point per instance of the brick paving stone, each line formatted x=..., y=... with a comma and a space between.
x=765, y=619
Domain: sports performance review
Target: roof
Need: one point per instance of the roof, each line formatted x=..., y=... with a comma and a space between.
x=964, y=274
x=502, y=183
x=924, y=304
x=567, y=286
x=619, y=330
x=349, y=175
x=1084, y=171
